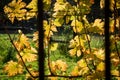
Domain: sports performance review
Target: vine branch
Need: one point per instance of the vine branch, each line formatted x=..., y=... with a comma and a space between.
x=19, y=53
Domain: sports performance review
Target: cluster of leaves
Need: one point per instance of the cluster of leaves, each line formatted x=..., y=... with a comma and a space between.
x=91, y=61
x=17, y=9
x=28, y=54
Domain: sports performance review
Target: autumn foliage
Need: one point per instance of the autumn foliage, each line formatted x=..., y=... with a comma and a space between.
x=90, y=62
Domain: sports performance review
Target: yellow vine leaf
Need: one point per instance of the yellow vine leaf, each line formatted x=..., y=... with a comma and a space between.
x=83, y=71
x=77, y=26
x=102, y=4
x=112, y=2
x=112, y=21
x=75, y=71
x=15, y=9
x=115, y=60
x=115, y=72
x=67, y=19
x=72, y=43
x=53, y=46
x=118, y=4
x=81, y=63
x=28, y=56
x=72, y=52
x=33, y=12
x=53, y=28
x=24, y=40
x=61, y=65
x=99, y=24
x=78, y=52
x=34, y=50
x=19, y=46
x=33, y=5
x=53, y=67
x=35, y=36
x=48, y=31
x=58, y=22
x=58, y=65
x=76, y=44
x=79, y=41
x=86, y=37
x=100, y=54
x=101, y=66
x=13, y=68
x=59, y=7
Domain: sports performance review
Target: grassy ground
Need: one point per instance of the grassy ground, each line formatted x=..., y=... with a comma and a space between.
x=6, y=49
x=7, y=52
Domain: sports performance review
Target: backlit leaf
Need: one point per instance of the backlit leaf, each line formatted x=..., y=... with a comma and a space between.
x=102, y=4
x=61, y=65
x=59, y=7
x=13, y=68
x=15, y=9
x=72, y=43
x=53, y=28
x=76, y=44
x=100, y=54
x=98, y=23
x=72, y=52
x=58, y=65
x=33, y=12
x=83, y=71
x=75, y=71
x=78, y=53
x=115, y=72
x=58, y=22
x=22, y=41
x=28, y=56
x=53, y=46
x=77, y=26
x=53, y=67
x=101, y=66
x=81, y=63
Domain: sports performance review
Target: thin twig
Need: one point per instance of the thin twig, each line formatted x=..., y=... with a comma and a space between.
x=49, y=43
x=80, y=45
x=64, y=76
x=115, y=16
x=19, y=54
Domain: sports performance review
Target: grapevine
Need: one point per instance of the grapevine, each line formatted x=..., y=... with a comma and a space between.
x=90, y=62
